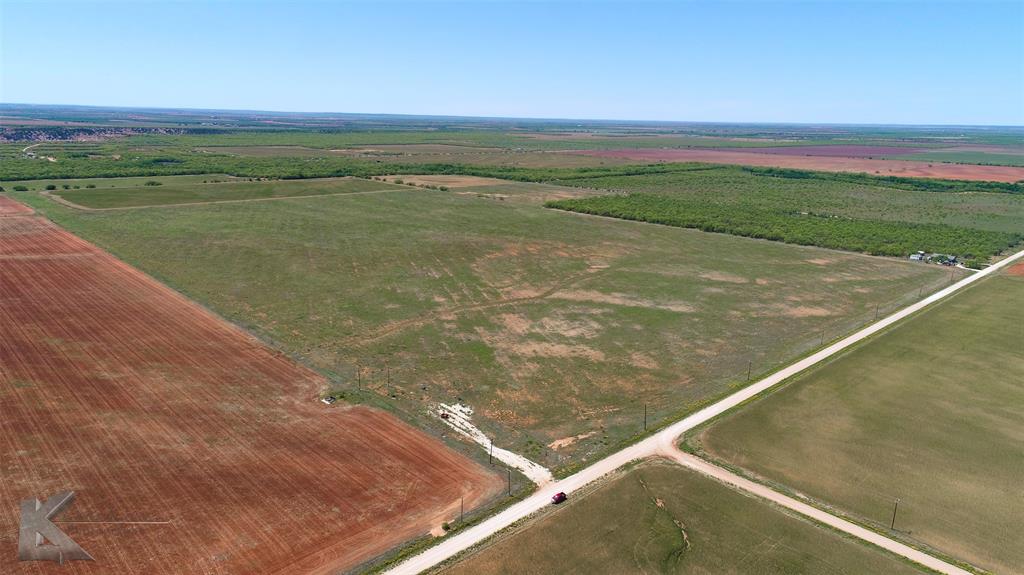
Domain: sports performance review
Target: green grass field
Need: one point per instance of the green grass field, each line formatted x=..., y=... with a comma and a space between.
x=551, y=325
x=966, y=157
x=665, y=519
x=198, y=192
x=931, y=412
x=119, y=183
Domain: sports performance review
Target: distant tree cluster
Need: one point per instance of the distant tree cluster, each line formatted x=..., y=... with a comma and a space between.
x=916, y=184
x=875, y=237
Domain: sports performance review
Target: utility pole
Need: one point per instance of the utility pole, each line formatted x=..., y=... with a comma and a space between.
x=490, y=455
x=359, y=377
x=749, y=362
x=876, y=312
x=894, y=508
x=645, y=417
x=510, y=482
x=822, y=337
x=462, y=509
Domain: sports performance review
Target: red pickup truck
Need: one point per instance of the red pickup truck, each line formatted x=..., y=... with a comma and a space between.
x=558, y=498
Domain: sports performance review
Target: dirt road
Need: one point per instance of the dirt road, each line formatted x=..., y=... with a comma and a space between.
x=664, y=444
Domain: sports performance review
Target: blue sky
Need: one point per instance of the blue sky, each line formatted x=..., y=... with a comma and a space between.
x=911, y=62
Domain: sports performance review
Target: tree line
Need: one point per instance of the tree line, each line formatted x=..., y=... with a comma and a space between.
x=874, y=237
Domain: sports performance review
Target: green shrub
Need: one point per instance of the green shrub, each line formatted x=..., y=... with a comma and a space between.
x=153, y=183
x=51, y=187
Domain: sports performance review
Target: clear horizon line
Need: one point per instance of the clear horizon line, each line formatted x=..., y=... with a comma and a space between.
x=520, y=118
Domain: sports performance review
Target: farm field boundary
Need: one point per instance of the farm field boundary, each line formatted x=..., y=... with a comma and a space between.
x=60, y=200
x=905, y=168
x=928, y=413
x=152, y=409
x=664, y=441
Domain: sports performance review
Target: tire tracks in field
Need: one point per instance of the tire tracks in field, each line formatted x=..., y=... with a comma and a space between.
x=392, y=328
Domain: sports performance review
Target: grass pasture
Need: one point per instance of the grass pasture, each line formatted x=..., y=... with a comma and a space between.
x=664, y=519
x=552, y=326
x=126, y=196
x=968, y=157
x=929, y=412
x=119, y=183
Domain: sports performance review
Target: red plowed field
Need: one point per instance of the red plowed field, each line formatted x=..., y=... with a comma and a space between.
x=838, y=150
x=153, y=410
x=9, y=207
x=903, y=168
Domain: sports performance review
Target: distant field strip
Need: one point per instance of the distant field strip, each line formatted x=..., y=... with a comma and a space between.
x=931, y=412
x=234, y=191
x=61, y=200
x=967, y=157
x=900, y=167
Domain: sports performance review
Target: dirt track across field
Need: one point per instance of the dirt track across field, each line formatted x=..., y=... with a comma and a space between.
x=664, y=442
x=155, y=411
x=779, y=159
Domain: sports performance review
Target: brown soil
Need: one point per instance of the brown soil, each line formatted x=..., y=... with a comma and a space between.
x=724, y=277
x=838, y=151
x=152, y=409
x=567, y=441
x=820, y=261
x=9, y=207
x=625, y=300
x=1016, y=269
x=823, y=163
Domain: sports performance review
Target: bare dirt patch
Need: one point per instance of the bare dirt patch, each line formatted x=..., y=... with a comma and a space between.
x=567, y=441
x=820, y=261
x=724, y=277
x=642, y=361
x=904, y=168
x=548, y=349
x=152, y=409
x=621, y=299
x=1016, y=269
x=790, y=310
